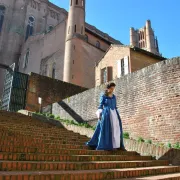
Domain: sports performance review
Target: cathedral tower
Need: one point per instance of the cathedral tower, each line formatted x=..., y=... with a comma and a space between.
x=144, y=38
x=73, y=63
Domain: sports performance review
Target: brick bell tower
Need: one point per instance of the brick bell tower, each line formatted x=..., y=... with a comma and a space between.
x=73, y=61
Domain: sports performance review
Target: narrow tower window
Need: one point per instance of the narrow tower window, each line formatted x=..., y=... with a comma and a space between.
x=30, y=27
x=82, y=2
x=82, y=30
x=2, y=12
x=75, y=28
x=71, y=2
x=76, y=2
x=26, y=59
x=54, y=71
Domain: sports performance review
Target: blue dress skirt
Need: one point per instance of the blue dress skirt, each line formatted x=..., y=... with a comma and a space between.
x=108, y=134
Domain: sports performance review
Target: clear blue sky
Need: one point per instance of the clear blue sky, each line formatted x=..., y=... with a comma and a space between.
x=115, y=17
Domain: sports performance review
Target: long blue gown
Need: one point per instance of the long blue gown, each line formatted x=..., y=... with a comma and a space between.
x=102, y=138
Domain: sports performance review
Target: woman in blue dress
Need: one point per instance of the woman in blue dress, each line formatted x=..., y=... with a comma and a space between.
x=108, y=134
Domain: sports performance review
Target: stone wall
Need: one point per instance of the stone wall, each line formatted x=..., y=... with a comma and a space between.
x=148, y=101
x=50, y=90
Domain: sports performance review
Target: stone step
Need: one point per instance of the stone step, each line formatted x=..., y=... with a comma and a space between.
x=60, y=135
x=41, y=131
x=175, y=176
x=40, y=143
x=53, y=146
x=70, y=158
x=47, y=133
x=103, y=174
x=59, y=166
x=44, y=139
x=16, y=149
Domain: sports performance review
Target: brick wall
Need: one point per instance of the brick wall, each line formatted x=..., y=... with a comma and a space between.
x=50, y=90
x=148, y=101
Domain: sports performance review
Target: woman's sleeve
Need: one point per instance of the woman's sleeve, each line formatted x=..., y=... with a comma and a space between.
x=101, y=102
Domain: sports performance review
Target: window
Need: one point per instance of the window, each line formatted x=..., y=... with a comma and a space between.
x=2, y=13
x=98, y=44
x=71, y=2
x=26, y=59
x=54, y=71
x=104, y=75
x=30, y=26
x=76, y=2
x=45, y=70
x=123, y=66
x=75, y=28
x=86, y=37
x=82, y=2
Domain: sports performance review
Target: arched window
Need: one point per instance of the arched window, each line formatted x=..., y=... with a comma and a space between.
x=30, y=26
x=54, y=71
x=26, y=59
x=76, y=2
x=98, y=44
x=86, y=37
x=2, y=13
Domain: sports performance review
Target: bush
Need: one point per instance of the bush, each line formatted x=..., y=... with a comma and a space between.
x=177, y=145
x=126, y=135
x=169, y=145
x=51, y=116
x=140, y=139
x=148, y=141
x=44, y=114
x=58, y=117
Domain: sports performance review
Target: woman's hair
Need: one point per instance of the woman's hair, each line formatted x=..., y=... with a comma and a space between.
x=108, y=86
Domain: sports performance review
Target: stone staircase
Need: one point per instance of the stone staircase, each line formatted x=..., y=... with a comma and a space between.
x=32, y=150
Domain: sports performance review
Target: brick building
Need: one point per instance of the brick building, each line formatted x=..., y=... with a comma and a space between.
x=43, y=38
x=121, y=60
